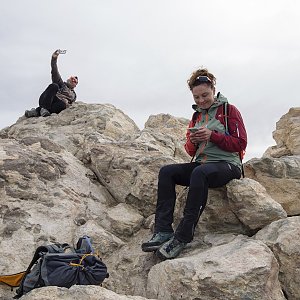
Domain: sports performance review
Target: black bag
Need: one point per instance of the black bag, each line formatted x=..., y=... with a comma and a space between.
x=53, y=266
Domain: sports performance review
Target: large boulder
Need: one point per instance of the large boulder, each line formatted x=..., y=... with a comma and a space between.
x=243, y=206
x=240, y=269
x=279, y=168
x=283, y=238
x=286, y=135
x=251, y=203
x=280, y=177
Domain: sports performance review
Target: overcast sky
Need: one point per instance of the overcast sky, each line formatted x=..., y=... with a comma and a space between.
x=138, y=54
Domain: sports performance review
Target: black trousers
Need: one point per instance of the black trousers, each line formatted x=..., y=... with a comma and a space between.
x=199, y=177
x=49, y=100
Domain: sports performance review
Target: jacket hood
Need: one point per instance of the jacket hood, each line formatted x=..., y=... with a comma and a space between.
x=219, y=100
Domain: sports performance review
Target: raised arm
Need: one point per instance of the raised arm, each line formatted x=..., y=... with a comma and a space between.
x=56, y=78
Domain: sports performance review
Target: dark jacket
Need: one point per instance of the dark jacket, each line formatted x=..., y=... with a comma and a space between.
x=65, y=91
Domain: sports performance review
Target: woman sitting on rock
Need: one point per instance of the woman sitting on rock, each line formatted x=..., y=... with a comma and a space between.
x=59, y=94
x=216, y=139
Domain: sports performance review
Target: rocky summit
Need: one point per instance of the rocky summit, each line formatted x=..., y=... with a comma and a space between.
x=90, y=170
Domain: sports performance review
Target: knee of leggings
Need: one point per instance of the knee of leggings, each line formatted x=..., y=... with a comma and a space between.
x=53, y=86
x=198, y=173
x=165, y=171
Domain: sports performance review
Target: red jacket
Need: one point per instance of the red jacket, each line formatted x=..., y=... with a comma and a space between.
x=233, y=141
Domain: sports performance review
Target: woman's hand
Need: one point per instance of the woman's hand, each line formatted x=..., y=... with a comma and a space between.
x=66, y=102
x=55, y=53
x=201, y=135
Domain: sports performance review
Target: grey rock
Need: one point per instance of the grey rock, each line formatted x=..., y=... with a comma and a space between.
x=283, y=238
x=240, y=269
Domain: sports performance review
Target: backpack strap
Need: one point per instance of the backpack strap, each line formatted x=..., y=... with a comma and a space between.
x=54, y=248
x=225, y=113
x=195, y=116
x=36, y=256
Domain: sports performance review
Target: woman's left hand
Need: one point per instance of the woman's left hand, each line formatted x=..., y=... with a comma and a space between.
x=66, y=102
x=201, y=135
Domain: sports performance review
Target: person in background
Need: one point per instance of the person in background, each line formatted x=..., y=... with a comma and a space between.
x=58, y=95
x=217, y=161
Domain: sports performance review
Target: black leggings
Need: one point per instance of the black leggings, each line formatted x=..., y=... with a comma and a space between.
x=199, y=177
x=49, y=100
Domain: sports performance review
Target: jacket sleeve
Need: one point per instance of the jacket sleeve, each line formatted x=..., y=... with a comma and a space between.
x=189, y=147
x=56, y=78
x=236, y=140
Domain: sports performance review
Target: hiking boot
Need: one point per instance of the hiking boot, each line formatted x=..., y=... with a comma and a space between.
x=31, y=113
x=45, y=112
x=170, y=249
x=156, y=241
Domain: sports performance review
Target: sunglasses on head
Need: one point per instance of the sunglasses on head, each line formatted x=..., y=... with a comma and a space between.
x=203, y=79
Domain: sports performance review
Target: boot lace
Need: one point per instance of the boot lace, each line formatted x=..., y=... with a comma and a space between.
x=172, y=245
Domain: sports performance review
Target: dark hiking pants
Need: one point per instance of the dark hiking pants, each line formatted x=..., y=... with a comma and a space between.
x=49, y=100
x=199, y=177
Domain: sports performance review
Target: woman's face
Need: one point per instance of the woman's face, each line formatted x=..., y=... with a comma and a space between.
x=203, y=95
x=73, y=81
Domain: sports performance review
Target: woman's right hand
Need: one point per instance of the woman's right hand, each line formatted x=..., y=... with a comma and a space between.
x=202, y=135
x=194, y=139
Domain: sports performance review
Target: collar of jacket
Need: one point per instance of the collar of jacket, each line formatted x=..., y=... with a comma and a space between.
x=67, y=84
x=219, y=100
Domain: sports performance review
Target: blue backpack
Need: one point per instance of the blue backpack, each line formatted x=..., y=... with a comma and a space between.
x=63, y=266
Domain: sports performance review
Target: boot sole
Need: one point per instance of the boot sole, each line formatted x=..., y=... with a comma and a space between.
x=150, y=248
x=160, y=256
